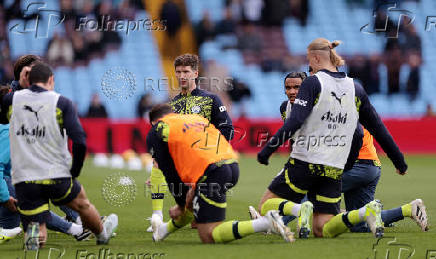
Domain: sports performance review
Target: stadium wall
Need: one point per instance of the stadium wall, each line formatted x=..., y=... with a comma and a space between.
x=109, y=136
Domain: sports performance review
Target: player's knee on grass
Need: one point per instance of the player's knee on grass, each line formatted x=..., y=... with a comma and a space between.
x=318, y=231
x=270, y=204
x=319, y=222
x=205, y=231
x=266, y=196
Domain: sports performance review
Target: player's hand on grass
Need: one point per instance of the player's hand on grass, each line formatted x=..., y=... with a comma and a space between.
x=400, y=173
x=11, y=204
x=176, y=211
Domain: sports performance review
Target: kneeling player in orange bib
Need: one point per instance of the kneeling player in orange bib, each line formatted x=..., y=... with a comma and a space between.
x=199, y=166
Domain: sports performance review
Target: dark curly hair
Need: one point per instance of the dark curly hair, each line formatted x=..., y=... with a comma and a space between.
x=187, y=60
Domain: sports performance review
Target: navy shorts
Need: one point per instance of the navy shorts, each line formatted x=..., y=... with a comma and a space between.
x=34, y=197
x=359, y=186
x=209, y=203
x=321, y=184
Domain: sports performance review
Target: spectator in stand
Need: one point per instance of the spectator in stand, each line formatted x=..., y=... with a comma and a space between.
x=252, y=10
x=205, y=30
x=236, y=9
x=227, y=25
x=429, y=111
x=249, y=40
x=272, y=61
x=144, y=106
x=110, y=38
x=414, y=61
x=6, y=72
x=67, y=9
x=172, y=14
x=275, y=12
x=362, y=68
x=374, y=75
x=126, y=10
x=60, y=50
x=238, y=94
x=381, y=26
x=303, y=11
x=393, y=61
x=412, y=41
x=86, y=11
x=79, y=47
x=96, y=108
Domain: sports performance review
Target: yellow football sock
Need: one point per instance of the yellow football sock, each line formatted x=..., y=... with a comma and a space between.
x=341, y=223
x=158, y=189
x=231, y=230
x=182, y=221
x=353, y=217
x=282, y=205
x=407, y=210
x=334, y=227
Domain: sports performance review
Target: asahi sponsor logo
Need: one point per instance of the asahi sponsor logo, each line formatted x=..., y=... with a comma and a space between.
x=331, y=117
x=31, y=134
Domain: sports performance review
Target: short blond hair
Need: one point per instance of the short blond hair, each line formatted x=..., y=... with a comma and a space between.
x=325, y=45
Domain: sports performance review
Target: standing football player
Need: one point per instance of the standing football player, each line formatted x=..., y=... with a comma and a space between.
x=190, y=100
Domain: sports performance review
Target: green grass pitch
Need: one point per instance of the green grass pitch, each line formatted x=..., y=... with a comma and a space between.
x=393, y=190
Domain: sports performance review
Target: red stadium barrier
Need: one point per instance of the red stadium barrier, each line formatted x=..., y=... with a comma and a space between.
x=109, y=136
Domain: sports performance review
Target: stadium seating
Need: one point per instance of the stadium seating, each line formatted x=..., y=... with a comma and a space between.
x=139, y=55
x=267, y=86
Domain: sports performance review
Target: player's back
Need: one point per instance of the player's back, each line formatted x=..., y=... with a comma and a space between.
x=36, y=137
x=194, y=143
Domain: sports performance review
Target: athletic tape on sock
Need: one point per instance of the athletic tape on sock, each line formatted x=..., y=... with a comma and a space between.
x=281, y=206
x=235, y=230
x=346, y=221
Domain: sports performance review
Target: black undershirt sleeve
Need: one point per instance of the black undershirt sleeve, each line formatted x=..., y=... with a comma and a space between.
x=369, y=118
x=70, y=122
